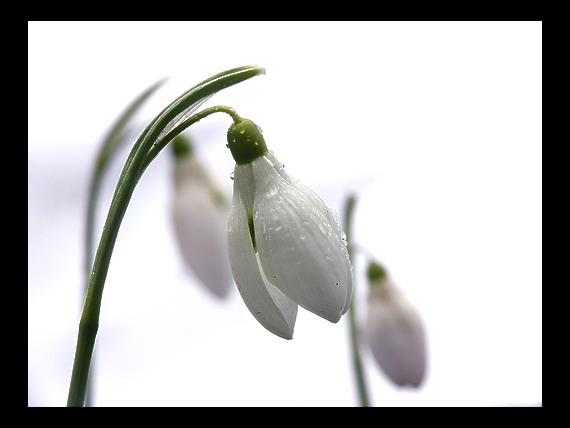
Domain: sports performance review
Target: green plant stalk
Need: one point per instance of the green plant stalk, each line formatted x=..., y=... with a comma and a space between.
x=131, y=174
x=353, y=330
x=112, y=142
x=155, y=150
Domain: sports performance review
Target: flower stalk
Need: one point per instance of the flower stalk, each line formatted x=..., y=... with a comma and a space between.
x=353, y=328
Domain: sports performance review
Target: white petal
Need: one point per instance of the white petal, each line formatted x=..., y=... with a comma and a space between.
x=396, y=335
x=300, y=243
x=200, y=227
x=275, y=311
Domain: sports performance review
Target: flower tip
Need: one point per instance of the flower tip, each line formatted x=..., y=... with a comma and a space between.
x=332, y=316
x=258, y=70
x=278, y=325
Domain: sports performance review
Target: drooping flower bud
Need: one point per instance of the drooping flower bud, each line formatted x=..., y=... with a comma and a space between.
x=285, y=245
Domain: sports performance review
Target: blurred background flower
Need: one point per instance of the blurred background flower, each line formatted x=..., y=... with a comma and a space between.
x=200, y=212
x=394, y=330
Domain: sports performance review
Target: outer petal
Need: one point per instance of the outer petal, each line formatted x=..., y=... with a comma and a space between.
x=396, y=335
x=199, y=225
x=275, y=311
x=300, y=244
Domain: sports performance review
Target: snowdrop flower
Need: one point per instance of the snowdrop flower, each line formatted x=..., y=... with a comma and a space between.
x=394, y=331
x=199, y=212
x=285, y=245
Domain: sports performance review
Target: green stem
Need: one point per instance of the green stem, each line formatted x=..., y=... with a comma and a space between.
x=356, y=361
x=158, y=146
x=131, y=174
x=113, y=140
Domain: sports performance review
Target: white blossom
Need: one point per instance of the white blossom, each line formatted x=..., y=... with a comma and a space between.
x=286, y=248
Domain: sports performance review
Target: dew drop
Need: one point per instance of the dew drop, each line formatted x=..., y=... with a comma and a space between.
x=232, y=175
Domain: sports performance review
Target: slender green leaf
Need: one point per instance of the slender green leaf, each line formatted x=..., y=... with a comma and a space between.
x=113, y=141
x=128, y=180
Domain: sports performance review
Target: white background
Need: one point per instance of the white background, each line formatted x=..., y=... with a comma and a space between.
x=436, y=126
